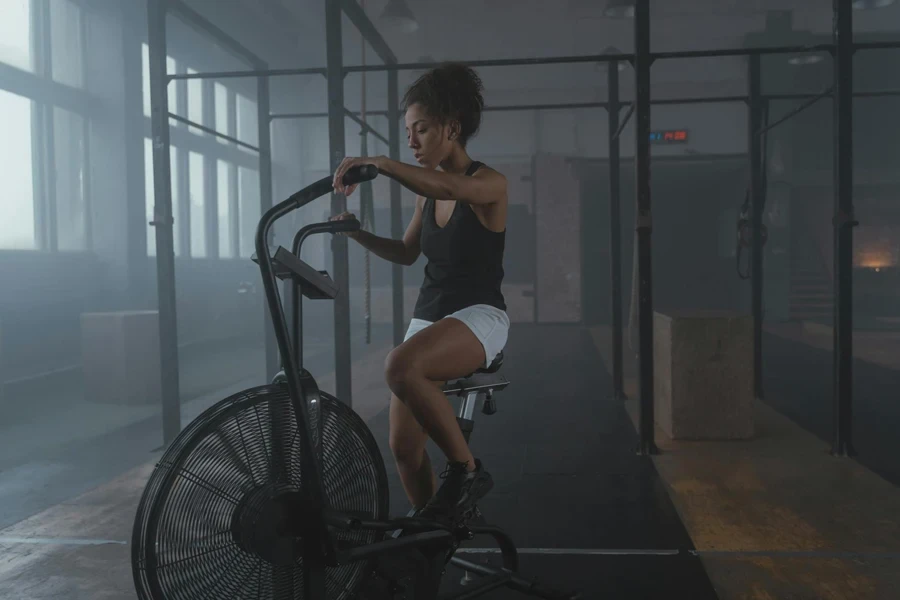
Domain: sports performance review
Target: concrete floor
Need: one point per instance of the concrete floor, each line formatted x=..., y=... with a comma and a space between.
x=775, y=517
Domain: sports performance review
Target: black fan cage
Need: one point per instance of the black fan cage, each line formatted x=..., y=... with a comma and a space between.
x=219, y=477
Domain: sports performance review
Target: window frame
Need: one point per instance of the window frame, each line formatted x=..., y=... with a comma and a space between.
x=213, y=150
x=46, y=95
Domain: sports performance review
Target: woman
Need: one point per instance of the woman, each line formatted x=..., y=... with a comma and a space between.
x=460, y=322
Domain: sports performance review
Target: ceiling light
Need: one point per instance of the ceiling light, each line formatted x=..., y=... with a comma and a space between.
x=619, y=9
x=398, y=14
x=870, y=4
x=805, y=59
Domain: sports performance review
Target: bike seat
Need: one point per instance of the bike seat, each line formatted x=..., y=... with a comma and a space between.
x=491, y=368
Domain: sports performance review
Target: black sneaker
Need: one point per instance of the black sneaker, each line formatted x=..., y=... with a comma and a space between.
x=459, y=492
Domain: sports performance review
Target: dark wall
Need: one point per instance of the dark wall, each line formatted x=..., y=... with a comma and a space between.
x=691, y=200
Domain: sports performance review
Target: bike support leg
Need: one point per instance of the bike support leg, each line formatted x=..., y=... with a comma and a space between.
x=514, y=582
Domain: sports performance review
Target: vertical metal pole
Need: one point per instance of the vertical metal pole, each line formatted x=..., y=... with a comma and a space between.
x=339, y=248
x=183, y=160
x=537, y=124
x=842, y=443
x=535, y=233
x=210, y=175
x=615, y=231
x=163, y=220
x=642, y=63
x=273, y=361
x=396, y=206
x=132, y=79
x=757, y=194
x=48, y=141
x=234, y=207
x=38, y=180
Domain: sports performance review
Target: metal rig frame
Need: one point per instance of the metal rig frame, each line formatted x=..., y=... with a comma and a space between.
x=842, y=49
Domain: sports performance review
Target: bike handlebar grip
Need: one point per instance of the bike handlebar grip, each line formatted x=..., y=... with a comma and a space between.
x=360, y=174
x=344, y=225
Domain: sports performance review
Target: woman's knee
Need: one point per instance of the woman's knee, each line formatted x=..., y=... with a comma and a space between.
x=399, y=370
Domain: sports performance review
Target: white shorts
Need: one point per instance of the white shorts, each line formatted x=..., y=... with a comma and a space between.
x=489, y=324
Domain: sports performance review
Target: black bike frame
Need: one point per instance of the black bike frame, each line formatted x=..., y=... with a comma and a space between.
x=296, y=291
x=318, y=548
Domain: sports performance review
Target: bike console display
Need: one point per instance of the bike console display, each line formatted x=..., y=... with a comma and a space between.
x=315, y=285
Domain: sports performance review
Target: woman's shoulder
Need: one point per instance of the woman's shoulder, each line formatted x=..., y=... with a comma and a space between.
x=481, y=169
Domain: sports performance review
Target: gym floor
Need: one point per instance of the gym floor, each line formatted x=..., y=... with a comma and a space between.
x=774, y=517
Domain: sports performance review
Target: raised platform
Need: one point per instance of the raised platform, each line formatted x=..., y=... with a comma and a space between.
x=778, y=517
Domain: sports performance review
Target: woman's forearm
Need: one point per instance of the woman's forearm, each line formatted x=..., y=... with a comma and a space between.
x=427, y=183
x=394, y=251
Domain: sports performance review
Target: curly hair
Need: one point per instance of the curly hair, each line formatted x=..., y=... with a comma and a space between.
x=450, y=92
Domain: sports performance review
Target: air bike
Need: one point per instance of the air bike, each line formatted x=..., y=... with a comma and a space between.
x=280, y=491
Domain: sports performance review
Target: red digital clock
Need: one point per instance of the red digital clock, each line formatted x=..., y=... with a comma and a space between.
x=669, y=136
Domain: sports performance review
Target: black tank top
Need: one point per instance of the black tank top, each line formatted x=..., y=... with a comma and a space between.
x=465, y=262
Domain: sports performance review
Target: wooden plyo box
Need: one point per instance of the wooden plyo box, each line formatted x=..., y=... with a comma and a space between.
x=703, y=374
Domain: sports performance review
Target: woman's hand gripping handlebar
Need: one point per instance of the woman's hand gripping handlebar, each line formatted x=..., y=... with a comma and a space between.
x=346, y=223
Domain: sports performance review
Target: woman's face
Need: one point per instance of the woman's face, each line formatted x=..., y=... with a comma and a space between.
x=430, y=141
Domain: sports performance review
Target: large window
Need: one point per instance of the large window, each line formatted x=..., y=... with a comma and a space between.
x=172, y=88
x=248, y=209
x=194, y=101
x=247, y=119
x=72, y=181
x=223, y=171
x=220, y=178
x=66, y=32
x=16, y=44
x=43, y=146
x=198, y=203
x=223, y=123
x=17, y=208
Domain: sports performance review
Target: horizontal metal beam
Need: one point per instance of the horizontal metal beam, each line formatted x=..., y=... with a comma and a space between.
x=322, y=115
x=361, y=20
x=204, y=25
x=548, y=106
x=553, y=60
x=315, y=115
x=877, y=94
x=873, y=94
x=876, y=45
x=212, y=132
x=255, y=73
x=366, y=126
x=726, y=52
x=45, y=90
x=586, y=105
x=503, y=62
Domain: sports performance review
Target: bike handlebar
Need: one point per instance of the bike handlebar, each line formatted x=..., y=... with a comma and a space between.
x=344, y=225
x=326, y=185
x=360, y=174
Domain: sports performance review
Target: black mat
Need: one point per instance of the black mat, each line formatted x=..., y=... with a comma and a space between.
x=797, y=381
x=562, y=454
